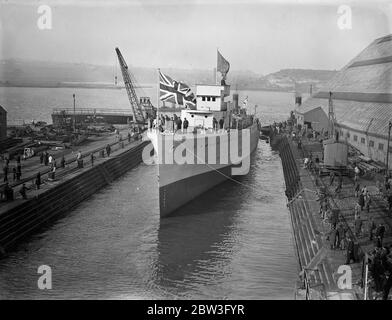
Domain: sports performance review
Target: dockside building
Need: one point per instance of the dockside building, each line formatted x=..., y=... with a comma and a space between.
x=362, y=101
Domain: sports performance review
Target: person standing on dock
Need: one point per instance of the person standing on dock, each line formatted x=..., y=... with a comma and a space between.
x=23, y=191
x=5, y=172
x=358, y=226
x=361, y=200
x=380, y=231
x=368, y=201
x=357, y=188
x=221, y=124
x=108, y=150
x=331, y=178
x=92, y=158
x=129, y=137
x=79, y=159
x=62, y=162
x=372, y=228
x=350, y=251
x=38, y=180
x=18, y=171
x=356, y=173
x=13, y=174
x=179, y=124
x=46, y=158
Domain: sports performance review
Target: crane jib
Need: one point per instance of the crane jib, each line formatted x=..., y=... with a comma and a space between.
x=137, y=108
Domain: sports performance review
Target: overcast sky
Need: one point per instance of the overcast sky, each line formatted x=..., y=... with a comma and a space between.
x=253, y=35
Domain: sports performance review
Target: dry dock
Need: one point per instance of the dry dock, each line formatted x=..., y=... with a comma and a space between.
x=21, y=218
x=320, y=265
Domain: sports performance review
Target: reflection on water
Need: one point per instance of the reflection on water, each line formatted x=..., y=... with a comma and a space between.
x=233, y=242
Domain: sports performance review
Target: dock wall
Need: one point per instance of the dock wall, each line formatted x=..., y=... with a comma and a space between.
x=30, y=216
x=307, y=239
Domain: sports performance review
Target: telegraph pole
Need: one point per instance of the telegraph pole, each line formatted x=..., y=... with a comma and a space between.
x=74, y=114
x=389, y=137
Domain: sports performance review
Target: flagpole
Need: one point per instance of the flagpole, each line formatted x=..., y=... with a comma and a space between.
x=158, y=91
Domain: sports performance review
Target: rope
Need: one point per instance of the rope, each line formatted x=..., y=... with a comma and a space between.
x=221, y=173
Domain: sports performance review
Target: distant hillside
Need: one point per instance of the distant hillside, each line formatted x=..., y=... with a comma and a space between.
x=299, y=79
x=50, y=74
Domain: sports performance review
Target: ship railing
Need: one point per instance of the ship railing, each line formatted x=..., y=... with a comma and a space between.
x=90, y=111
x=120, y=143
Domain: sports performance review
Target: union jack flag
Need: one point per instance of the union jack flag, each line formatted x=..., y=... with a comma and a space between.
x=175, y=91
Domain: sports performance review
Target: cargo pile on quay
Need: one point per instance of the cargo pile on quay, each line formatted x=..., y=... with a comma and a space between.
x=334, y=151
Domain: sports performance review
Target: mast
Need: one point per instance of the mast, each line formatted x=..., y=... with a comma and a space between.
x=331, y=117
x=129, y=86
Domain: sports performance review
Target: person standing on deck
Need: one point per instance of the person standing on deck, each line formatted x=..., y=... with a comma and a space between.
x=13, y=174
x=380, y=231
x=185, y=125
x=41, y=158
x=108, y=149
x=358, y=226
x=350, y=251
x=92, y=158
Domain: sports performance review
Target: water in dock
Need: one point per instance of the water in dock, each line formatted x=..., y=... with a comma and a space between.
x=235, y=243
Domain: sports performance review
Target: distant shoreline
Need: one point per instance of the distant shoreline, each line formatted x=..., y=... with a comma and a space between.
x=113, y=87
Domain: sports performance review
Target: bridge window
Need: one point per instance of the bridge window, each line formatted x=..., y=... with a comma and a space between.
x=380, y=146
x=363, y=140
x=203, y=98
x=371, y=143
x=213, y=98
x=355, y=137
x=208, y=98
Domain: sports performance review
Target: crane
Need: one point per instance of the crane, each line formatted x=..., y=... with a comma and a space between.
x=137, y=108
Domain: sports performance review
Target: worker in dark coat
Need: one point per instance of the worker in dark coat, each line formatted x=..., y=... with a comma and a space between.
x=350, y=251
x=361, y=200
x=23, y=191
x=380, y=231
x=108, y=150
x=358, y=226
x=38, y=180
